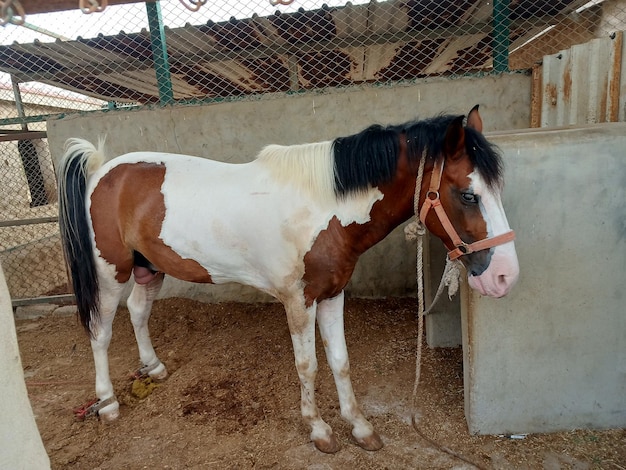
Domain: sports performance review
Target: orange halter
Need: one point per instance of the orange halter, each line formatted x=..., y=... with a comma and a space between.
x=432, y=201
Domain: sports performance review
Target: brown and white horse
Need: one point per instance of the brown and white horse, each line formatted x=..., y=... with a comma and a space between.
x=291, y=223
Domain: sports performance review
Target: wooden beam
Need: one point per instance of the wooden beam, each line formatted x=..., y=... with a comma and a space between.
x=32, y=7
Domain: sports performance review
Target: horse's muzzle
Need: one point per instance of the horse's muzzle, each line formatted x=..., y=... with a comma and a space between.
x=500, y=276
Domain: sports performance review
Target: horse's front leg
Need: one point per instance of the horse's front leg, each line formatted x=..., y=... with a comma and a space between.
x=302, y=328
x=139, y=305
x=330, y=320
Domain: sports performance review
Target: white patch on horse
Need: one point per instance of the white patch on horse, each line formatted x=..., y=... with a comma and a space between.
x=490, y=206
x=231, y=230
x=504, y=264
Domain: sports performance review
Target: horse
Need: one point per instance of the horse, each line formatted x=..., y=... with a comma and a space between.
x=292, y=223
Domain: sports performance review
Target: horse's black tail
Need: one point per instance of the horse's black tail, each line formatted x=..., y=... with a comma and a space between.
x=80, y=159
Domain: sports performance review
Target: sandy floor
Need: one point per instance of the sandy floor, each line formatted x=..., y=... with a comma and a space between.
x=232, y=399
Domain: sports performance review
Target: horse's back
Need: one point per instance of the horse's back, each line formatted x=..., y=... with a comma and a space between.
x=198, y=219
x=165, y=159
x=207, y=221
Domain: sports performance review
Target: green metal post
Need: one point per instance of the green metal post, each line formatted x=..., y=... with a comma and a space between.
x=159, y=52
x=501, y=34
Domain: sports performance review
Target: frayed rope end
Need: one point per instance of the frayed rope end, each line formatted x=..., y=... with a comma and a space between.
x=414, y=229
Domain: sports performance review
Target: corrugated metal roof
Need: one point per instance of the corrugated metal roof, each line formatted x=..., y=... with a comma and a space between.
x=303, y=50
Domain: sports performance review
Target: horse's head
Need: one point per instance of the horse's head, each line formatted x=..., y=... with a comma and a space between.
x=461, y=205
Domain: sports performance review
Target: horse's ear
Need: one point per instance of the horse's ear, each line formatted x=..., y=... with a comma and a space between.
x=474, y=121
x=454, y=144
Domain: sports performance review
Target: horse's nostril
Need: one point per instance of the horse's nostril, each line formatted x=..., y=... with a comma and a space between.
x=504, y=280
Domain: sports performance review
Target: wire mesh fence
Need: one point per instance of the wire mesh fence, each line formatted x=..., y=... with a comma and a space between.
x=30, y=249
x=154, y=53
x=161, y=52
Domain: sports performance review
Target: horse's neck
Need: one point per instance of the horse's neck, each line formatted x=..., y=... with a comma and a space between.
x=395, y=208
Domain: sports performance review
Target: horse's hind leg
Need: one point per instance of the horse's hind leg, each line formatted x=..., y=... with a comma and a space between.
x=139, y=305
x=107, y=406
x=330, y=321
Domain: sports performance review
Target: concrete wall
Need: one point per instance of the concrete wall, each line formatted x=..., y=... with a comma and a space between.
x=552, y=354
x=236, y=131
x=20, y=444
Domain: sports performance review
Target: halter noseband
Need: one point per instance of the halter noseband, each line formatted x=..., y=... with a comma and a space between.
x=432, y=201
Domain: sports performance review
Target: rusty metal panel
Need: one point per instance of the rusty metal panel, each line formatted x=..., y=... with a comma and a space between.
x=582, y=85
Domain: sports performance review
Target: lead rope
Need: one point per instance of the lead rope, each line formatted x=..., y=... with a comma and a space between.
x=417, y=230
x=451, y=274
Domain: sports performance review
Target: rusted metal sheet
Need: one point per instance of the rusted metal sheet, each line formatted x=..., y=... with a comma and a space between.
x=535, y=101
x=582, y=85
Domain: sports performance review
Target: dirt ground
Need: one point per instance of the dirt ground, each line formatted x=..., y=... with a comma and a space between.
x=232, y=399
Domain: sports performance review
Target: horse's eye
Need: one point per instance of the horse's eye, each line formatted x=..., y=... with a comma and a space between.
x=469, y=198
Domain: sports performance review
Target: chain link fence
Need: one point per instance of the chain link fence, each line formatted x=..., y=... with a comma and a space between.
x=161, y=52
x=30, y=247
x=134, y=54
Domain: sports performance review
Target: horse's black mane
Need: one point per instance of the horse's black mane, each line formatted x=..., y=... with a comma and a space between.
x=370, y=157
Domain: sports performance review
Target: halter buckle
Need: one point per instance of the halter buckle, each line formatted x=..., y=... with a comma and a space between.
x=432, y=195
x=464, y=248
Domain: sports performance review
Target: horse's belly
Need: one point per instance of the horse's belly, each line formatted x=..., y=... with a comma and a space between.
x=257, y=240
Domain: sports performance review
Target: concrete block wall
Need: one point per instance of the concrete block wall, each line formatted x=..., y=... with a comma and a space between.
x=552, y=354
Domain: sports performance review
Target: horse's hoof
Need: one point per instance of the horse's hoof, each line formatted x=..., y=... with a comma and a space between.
x=372, y=442
x=328, y=446
x=109, y=413
x=159, y=374
x=107, y=410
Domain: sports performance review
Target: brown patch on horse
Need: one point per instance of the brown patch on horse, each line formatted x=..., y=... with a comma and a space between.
x=330, y=262
x=470, y=224
x=467, y=219
x=127, y=212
